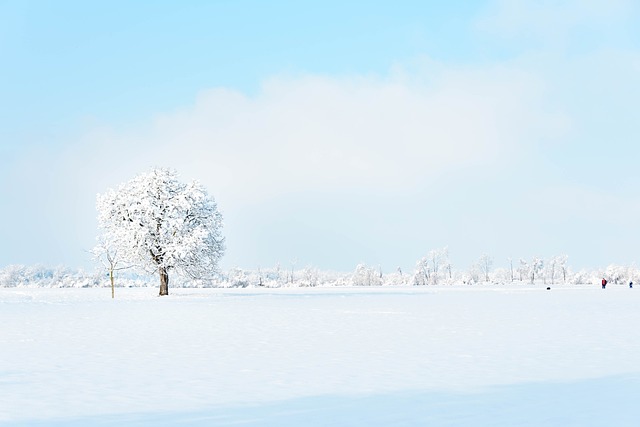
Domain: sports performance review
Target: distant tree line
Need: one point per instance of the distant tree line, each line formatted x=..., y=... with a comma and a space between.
x=434, y=269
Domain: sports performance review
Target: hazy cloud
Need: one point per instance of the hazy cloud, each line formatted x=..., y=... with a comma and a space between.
x=334, y=134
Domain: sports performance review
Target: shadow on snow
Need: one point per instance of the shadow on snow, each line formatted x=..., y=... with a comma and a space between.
x=596, y=402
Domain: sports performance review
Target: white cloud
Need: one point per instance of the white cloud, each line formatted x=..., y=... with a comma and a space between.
x=308, y=134
x=338, y=134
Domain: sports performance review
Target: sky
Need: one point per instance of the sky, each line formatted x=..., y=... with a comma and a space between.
x=330, y=133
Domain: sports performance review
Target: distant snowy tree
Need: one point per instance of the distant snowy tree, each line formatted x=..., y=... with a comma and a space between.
x=582, y=277
x=474, y=274
x=396, y=278
x=237, y=278
x=537, y=264
x=260, y=276
x=561, y=262
x=159, y=224
x=616, y=274
x=510, y=268
x=366, y=276
x=556, y=265
x=485, y=263
x=276, y=273
x=523, y=269
x=293, y=266
x=310, y=276
x=429, y=269
x=552, y=268
x=434, y=256
x=446, y=262
x=422, y=272
x=361, y=275
x=12, y=275
x=501, y=275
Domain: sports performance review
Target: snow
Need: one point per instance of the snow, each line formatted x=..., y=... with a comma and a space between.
x=412, y=356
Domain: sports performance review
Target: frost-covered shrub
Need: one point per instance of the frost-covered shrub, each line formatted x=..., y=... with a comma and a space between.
x=397, y=279
x=501, y=275
x=581, y=277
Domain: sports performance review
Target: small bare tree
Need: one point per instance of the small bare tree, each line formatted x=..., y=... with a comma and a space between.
x=108, y=256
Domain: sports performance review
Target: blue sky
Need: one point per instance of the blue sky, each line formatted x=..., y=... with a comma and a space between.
x=124, y=60
x=331, y=134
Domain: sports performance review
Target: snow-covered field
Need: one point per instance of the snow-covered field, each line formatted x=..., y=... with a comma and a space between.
x=411, y=356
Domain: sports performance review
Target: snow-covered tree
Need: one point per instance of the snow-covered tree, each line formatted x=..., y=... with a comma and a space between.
x=422, y=272
x=446, y=262
x=474, y=274
x=582, y=277
x=293, y=266
x=159, y=224
x=431, y=268
x=310, y=276
x=396, y=278
x=485, y=263
x=523, y=269
x=237, y=278
x=510, y=268
x=556, y=265
x=501, y=275
x=434, y=256
x=366, y=276
x=13, y=275
x=537, y=264
x=616, y=274
x=551, y=269
x=561, y=262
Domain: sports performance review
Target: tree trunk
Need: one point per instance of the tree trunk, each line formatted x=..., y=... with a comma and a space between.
x=113, y=287
x=164, y=281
